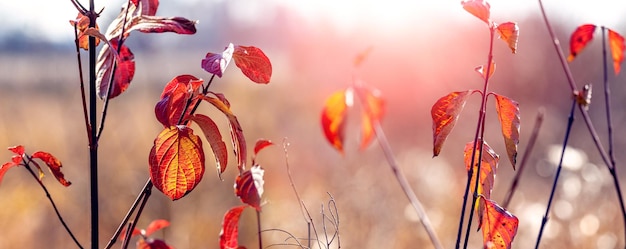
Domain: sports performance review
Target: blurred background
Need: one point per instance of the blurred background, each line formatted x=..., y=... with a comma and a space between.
x=420, y=51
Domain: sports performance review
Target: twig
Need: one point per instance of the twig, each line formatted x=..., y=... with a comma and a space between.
x=544, y=221
x=529, y=148
x=140, y=197
x=258, y=226
x=131, y=226
x=93, y=142
x=82, y=83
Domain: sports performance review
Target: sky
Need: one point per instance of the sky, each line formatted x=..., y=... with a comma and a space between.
x=49, y=19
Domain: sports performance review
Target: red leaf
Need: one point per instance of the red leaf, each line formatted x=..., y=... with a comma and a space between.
x=217, y=63
x=150, y=243
x=445, y=112
x=478, y=8
x=18, y=150
x=156, y=24
x=499, y=226
x=334, y=115
x=54, y=165
x=5, y=167
x=508, y=114
x=124, y=71
x=174, y=98
x=176, y=161
x=156, y=225
x=509, y=32
x=236, y=132
x=148, y=7
x=135, y=11
x=261, y=144
x=230, y=228
x=214, y=137
x=82, y=24
x=482, y=70
x=579, y=40
x=249, y=186
x=253, y=63
x=616, y=41
x=373, y=112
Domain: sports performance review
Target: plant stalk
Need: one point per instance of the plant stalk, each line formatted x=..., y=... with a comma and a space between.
x=147, y=187
x=93, y=142
x=258, y=226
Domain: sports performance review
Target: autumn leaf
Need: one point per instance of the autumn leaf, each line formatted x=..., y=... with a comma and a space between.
x=249, y=186
x=579, y=40
x=230, y=228
x=258, y=146
x=445, y=112
x=148, y=7
x=157, y=24
x=488, y=167
x=499, y=226
x=334, y=115
x=509, y=116
x=82, y=24
x=54, y=165
x=124, y=72
x=616, y=42
x=150, y=243
x=478, y=8
x=176, y=161
x=509, y=32
x=214, y=137
x=373, y=111
x=16, y=160
x=217, y=63
x=253, y=63
x=482, y=70
x=154, y=226
x=174, y=98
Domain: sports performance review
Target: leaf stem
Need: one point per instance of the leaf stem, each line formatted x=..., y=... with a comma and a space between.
x=54, y=206
x=93, y=142
x=544, y=221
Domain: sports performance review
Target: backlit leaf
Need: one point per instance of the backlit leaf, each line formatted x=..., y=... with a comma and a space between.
x=579, y=40
x=249, y=186
x=157, y=24
x=334, y=115
x=16, y=160
x=156, y=225
x=261, y=144
x=146, y=7
x=137, y=9
x=82, y=24
x=373, y=112
x=6, y=166
x=488, y=167
x=616, y=41
x=253, y=63
x=509, y=116
x=217, y=63
x=230, y=228
x=478, y=8
x=150, y=243
x=174, y=97
x=445, y=112
x=509, y=32
x=176, y=161
x=499, y=226
x=17, y=150
x=124, y=71
x=214, y=137
x=54, y=165
x=483, y=70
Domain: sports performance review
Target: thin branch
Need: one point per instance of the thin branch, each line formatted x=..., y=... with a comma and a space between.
x=258, y=223
x=82, y=83
x=79, y=7
x=607, y=98
x=54, y=206
x=131, y=226
x=140, y=197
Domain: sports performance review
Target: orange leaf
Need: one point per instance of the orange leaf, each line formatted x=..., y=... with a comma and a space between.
x=499, y=226
x=54, y=165
x=214, y=137
x=478, y=8
x=373, y=110
x=616, y=41
x=488, y=167
x=249, y=186
x=579, y=40
x=508, y=114
x=176, y=161
x=156, y=225
x=174, y=97
x=445, y=112
x=483, y=71
x=509, y=32
x=253, y=63
x=334, y=115
x=124, y=71
x=82, y=24
x=230, y=228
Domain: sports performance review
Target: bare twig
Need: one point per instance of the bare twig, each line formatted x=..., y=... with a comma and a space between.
x=140, y=197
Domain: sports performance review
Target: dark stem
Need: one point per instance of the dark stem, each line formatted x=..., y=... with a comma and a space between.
x=529, y=148
x=54, y=206
x=258, y=226
x=544, y=221
x=146, y=195
x=147, y=187
x=607, y=98
x=82, y=83
x=93, y=142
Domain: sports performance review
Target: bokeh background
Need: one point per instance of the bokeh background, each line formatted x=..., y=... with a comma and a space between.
x=420, y=51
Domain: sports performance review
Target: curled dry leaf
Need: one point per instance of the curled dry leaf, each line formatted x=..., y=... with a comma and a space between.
x=124, y=72
x=509, y=33
x=334, y=116
x=579, y=40
x=509, y=117
x=54, y=165
x=498, y=225
x=253, y=63
x=616, y=41
x=82, y=24
x=445, y=112
x=373, y=111
x=478, y=8
x=249, y=186
x=214, y=137
x=176, y=161
x=230, y=228
x=217, y=63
